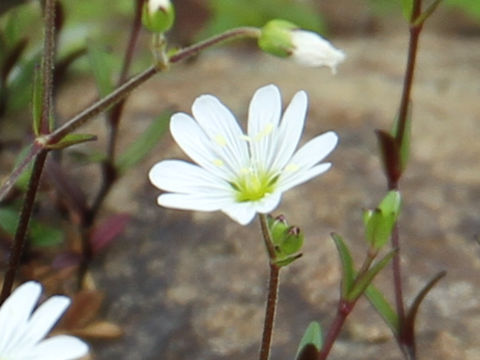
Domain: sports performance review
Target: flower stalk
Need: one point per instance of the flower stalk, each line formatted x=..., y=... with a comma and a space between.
x=272, y=297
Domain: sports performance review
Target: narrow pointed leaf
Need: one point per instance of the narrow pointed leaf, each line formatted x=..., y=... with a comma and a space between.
x=144, y=143
x=413, y=310
x=101, y=65
x=37, y=101
x=348, y=271
x=309, y=352
x=312, y=336
x=383, y=307
x=404, y=147
x=70, y=140
x=364, y=280
x=426, y=14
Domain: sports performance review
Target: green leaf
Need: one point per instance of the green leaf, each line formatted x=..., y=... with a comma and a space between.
x=102, y=67
x=24, y=177
x=364, y=280
x=348, y=271
x=383, y=307
x=313, y=335
x=37, y=100
x=39, y=234
x=427, y=13
x=407, y=8
x=284, y=261
x=70, y=140
x=404, y=147
x=20, y=85
x=144, y=143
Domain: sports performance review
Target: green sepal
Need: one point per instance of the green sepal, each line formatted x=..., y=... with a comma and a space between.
x=365, y=279
x=37, y=101
x=312, y=335
x=159, y=21
x=379, y=222
x=281, y=262
x=70, y=140
x=426, y=14
x=143, y=144
x=348, y=270
x=383, y=307
x=276, y=38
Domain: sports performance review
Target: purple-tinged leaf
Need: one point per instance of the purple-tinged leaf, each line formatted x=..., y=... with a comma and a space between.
x=105, y=233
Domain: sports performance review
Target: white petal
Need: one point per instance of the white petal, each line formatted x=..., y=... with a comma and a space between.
x=43, y=320
x=291, y=129
x=313, y=50
x=314, y=151
x=268, y=203
x=194, y=142
x=199, y=202
x=61, y=347
x=220, y=126
x=183, y=177
x=243, y=213
x=15, y=312
x=263, y=118
x=301, y=176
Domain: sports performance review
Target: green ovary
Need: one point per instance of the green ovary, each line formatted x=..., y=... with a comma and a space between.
x=253, y=185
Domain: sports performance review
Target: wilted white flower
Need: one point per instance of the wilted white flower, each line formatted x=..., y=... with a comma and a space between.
x=22, y=330
x=240, y=174
x=310, y=49
x=284, y=39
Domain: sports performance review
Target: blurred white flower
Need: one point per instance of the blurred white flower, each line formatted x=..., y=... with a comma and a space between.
x=22, y=330
x=310, y=49
x=240, y=174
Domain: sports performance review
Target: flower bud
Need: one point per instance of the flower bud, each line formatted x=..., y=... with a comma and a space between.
x=284, y=39
x=158, y=15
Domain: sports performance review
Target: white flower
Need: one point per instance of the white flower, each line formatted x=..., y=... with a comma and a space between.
x=240, y=174
x=22, y=332
x=310, y=49
x=158, y=5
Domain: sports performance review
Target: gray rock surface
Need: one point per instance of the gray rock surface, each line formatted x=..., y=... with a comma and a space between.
x=190, y=285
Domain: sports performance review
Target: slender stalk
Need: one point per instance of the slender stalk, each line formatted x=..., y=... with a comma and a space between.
x=22, y=227
x=237, y=33
x=273, y=285
x=270, y=309
x=343, y=310
x=407, y=346
x=39, y=162
x=47, y=64
x=109, y=172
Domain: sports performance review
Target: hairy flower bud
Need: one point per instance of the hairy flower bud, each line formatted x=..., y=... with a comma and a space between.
x=284, y=39
x=158, y=15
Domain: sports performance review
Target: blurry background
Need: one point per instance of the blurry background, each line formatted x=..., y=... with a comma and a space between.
x=185, y=285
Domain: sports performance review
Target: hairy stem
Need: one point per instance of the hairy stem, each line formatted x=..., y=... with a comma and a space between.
x=273, y=285
x=270, y=309
x=22, y=227
x=39, y=162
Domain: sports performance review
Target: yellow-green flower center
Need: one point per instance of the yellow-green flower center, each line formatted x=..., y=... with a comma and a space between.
x=253, y=185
